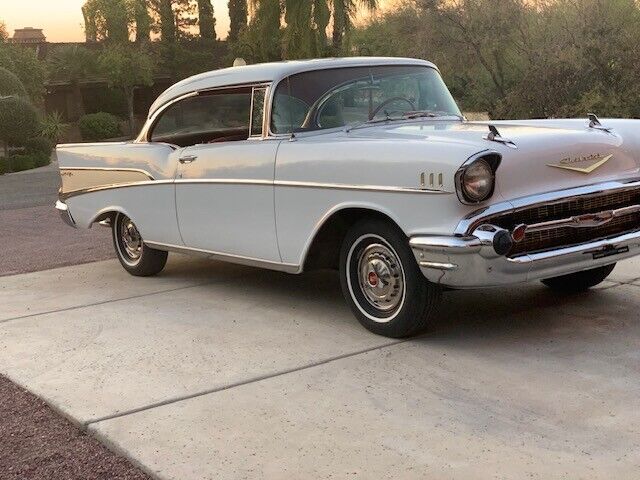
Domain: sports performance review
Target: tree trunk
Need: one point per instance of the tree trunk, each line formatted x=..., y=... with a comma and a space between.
x=129, y=93
x=78, y=102
x=5, y=159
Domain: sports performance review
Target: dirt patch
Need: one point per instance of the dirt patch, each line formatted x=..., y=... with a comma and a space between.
x=36, y=443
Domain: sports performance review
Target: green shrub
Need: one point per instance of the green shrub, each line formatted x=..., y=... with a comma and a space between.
x=19, y=163
x=54, y=127
x=18, y=121
x=10, y=84
x=41, y=159
x=99, y=126
x=39, y=145
x=27, y=161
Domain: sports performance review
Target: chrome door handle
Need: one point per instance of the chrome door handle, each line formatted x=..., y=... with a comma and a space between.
x=187, y=159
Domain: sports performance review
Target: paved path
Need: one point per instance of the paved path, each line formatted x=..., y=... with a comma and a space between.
x=32, y=235
x=220, y=371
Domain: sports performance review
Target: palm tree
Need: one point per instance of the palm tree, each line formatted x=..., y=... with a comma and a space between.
x=343, y=13
x=306, y=25
x=74, y=64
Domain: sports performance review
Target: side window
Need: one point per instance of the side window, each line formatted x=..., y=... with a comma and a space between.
x=216, y=116
x=257, y=110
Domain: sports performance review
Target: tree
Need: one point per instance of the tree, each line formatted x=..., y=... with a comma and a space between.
x=167, y=21
x=142, y=19
x=127, y=67
x=3, y=32
x=28, y=68
x=206, y=20
x=107, y=20
x=343, y=14
x=261, y=42
x=74, y=64
x=238, y=13
x=18, y=121
x=305, y=32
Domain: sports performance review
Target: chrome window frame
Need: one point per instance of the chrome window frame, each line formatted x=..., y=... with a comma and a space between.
x=145, y=134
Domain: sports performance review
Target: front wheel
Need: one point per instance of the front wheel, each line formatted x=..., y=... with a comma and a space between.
x=382, y=282
x=137, y=258
x=579, y=281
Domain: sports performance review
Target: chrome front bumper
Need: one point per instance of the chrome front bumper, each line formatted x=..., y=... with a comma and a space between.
x=468, y=262
x=65, y=214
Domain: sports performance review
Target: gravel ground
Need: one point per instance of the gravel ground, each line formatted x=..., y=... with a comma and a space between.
x=32, y=234
x=36, y=238
x=39, y=444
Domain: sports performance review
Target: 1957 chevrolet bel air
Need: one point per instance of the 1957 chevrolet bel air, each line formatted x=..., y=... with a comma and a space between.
x=364, y=165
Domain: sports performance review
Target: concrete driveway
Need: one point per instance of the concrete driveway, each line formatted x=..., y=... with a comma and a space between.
x=219, y=371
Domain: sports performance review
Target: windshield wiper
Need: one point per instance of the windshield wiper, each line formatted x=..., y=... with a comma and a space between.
x=405, y=116
x=430, y=114
x=350, y=127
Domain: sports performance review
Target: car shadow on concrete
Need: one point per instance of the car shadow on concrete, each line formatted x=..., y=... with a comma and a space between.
x=528, y=311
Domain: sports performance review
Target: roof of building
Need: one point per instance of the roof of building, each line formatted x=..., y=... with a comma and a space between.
x=270, y=72
x=28, y=35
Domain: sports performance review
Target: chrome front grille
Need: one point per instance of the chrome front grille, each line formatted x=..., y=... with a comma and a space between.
x=561, y=236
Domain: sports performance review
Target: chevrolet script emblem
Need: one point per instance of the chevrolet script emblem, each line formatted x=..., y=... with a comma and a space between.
x=582, y=164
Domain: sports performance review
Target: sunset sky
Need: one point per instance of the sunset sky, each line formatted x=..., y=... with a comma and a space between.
x=62, y=19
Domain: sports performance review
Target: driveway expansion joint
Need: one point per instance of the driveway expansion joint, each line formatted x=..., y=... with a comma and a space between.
x=114, y=300
x=241, y=383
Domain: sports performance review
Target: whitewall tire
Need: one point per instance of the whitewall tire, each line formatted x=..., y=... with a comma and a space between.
x=382, y=282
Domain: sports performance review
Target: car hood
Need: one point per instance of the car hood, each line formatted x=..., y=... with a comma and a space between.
x=540, y=153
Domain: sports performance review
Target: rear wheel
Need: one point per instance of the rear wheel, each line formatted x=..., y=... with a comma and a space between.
x=382, y=282
x=137, y=258
x=579, y=281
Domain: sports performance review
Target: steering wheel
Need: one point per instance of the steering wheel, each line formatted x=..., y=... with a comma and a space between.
x=387, y=102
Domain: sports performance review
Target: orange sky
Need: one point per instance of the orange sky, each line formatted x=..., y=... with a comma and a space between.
x=62, y=19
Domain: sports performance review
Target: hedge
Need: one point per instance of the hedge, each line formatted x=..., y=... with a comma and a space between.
x=99, y=126
x=25, y=161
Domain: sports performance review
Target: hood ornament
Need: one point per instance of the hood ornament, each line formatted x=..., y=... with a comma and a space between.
x=494, y=136
x=586, y=164
x=594, y=122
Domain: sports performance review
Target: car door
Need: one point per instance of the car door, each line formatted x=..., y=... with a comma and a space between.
x=224, y=182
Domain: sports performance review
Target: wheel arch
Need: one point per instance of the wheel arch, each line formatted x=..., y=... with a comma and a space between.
x=323, y=248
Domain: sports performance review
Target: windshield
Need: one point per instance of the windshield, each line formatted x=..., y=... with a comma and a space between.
x=346, y=96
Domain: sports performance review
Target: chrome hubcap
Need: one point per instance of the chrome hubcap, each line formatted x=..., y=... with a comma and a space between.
x=380, y=277
x=130, y=238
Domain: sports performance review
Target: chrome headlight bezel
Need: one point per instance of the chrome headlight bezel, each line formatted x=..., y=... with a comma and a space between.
x=492, y=160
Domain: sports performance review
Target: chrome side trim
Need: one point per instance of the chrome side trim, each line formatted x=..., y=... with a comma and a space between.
x=109, y=169
x=250, y=181
x=227, y=257
x=477, y=217
x=345, y=186
x=75, y=193
x=439, y=266
x=226, y=181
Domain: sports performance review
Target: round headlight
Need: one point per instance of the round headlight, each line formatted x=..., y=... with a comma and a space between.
x=477, y=181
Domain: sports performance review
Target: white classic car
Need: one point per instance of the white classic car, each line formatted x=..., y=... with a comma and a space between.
x=365, y=165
